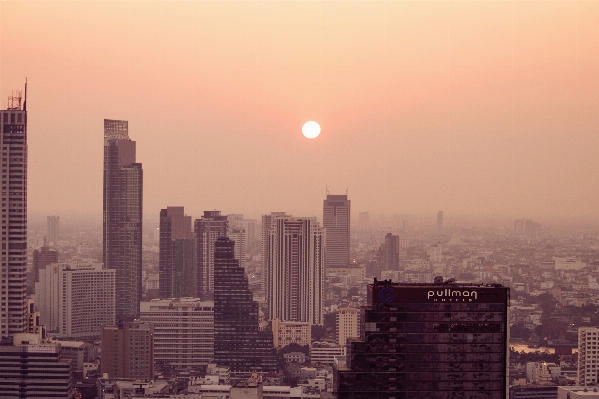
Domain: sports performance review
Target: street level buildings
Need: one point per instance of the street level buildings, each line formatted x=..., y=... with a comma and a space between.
x=128, y=350
x=336, y=222
x=183, y=330
x=295, y=272
x=75, y=300
x=13, y=264
x=177, y=255
x=211, y=226
x=123, y=201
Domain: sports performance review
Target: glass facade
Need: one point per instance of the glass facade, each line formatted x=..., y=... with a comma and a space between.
x=441, y=341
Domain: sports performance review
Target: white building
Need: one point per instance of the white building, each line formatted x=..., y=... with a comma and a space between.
x=571, y=392
x=348, y=322
x=295, y=272
x=325, y=352
x=542, y=373
x=288, y=332
x=569, y=263
x=75, y=300
x=183, y=330
x=239, y=236
x=588, y=355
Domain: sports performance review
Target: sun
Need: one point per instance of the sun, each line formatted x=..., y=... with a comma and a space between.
x=311, y=130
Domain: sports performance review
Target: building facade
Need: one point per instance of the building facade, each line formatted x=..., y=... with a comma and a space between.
x=123, y=202
x=207, y=229
x=41, y=258
x=391, y=252
x=53, y=228
x=290, y=332
x=75, y=300
x=177, y=254
x=13, y=266
x=588, y=356
x=336, y=222
x=128, y=350
x=348, y=324
x=295, y=272
x=238, y=343
x=183, y=330
x=442, y=341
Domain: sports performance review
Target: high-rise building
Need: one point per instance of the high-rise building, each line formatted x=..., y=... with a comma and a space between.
x=33, y=368
x=588, y=356
x=177, y=257
x=53, y=228
x=391, y=252
x=336, y=222
x=123, y=201
x=295, y=272
x=183, y=330
x=41, y=258
x=128, y=350
x=13, y=269
x=348, y=324
x=239, y=236
x=442, y=340
x=207, y=229
x=238, y=342
x=440, y=222
x=267, y=225
x=75, y=300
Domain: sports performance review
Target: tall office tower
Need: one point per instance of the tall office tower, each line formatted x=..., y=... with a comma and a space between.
x=53, y=228
x=41, y=258
x=183, y=330
x=207, y=229
x=588, y=356
x=75, y=300
x=32, y=368
x=236, y=220
x=123, y=201
x=239, y=236
x=441, y=340
x=440, y=222
x=267, y=225
x=238, y=343
x=177, y=258
x=335, y=220
x=13, y=135
x=348, y=324
x=391, y=252
x=295, y=272
x=128, y=350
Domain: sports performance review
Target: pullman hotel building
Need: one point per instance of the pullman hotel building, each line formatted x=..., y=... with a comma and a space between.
x=429, y=341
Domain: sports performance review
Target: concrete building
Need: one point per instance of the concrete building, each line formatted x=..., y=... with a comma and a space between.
x=287, y=332
x=207, y=230
x=582, y=392
x=295, y=270
x=348, y=324
x=123, y=201
x=177, y=259
x=325, y=352
x=391, y=252
x=527, y=228
x=183, y=330
x=588, y=356
x=33, y=368
x=239, y=236
x=542, y=373
x=53, y=228
x=41, y=258
x=75, y=300
x=336, y=223
x=128, y=350
x=533, y=392
x=267, y=224
x=13, y=265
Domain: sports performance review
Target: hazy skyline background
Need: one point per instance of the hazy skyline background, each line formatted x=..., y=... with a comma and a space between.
x=484, y=108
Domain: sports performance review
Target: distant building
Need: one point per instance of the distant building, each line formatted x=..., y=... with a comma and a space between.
x=128, y=350
x=348, y=324
x=123, y=201
x=41, y=258
x=289, y=332
x=177, y=258
x=440, y=222
x=53, y=228
x=569, y=263
x=336, y=223
x=207, y=229
x=435, y=253
x=391, y=252
x=238, y=343
x=325, y=352
x=527, y=228
x=239, y=236
x=183, y=330
x=75, y=300
x=267, y=224
x=33, y=368
x=542, y=373
x=588, y=356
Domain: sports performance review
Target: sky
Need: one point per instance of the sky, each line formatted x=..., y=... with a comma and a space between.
x=474, y=108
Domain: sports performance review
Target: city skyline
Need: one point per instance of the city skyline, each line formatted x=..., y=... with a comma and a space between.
x=483, y=109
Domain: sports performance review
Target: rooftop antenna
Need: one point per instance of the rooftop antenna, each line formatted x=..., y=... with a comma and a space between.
x=25, y=101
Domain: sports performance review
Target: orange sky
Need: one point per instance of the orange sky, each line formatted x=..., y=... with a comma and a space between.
x=487, y=108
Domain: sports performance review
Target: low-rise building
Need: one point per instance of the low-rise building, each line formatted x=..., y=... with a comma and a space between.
x=291, y=332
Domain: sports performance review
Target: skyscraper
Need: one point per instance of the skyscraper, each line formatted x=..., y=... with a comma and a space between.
x=41, y=258
x=238, y=343
x=335, y=220
x=207, y=229
x=391, y=252
x=588, y=358
x=267, y=224
x=53, y=228
x=13, y=135
x=123, y=201
x=177, y=258
x=441, y=340
x=295, y=270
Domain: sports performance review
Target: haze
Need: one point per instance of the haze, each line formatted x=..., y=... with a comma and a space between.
x=487, y=108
